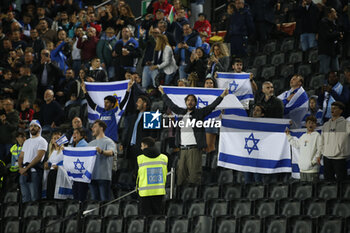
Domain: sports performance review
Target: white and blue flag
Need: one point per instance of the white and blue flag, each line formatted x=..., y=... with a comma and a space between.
x=62, y=140
x=99, y=90
x=79, y=162
x=257, y=145
x=237, y=84
x=297, y=107
x=205, y=96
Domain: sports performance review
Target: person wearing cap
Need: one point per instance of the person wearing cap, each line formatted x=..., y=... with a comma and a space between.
x=30, y=163
x=202, y=24
x=335, y=147
x=162, y=4
x=108, y=113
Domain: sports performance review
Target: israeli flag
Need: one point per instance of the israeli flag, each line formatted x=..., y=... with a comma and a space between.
x=297, y=107
x=237, y=84
x=205, y=96
x=99, y=90
x=63, y=189
x=257, y=145
x=79, y=162
x=62, y=140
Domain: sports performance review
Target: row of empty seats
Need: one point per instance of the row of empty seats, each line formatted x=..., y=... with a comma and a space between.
x=180, y=224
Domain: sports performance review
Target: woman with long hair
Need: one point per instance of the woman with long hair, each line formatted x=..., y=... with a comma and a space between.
x=198, y=64
x=163, y=60
x=219, y=60
x=126, y=18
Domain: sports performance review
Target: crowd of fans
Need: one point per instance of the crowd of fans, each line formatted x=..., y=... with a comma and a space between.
x=50, y=49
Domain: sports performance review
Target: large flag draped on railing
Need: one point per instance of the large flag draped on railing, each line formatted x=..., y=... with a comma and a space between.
x=297, y=107
x=256, y=145
x=79, y=162
x=205, y=96
x=237, y=84
x=99, y=90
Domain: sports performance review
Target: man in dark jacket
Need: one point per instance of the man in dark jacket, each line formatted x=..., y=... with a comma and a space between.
x=191, y=140
x=273, y=106
x=240, y=26
x=328, y=42
x=183, y=50
x=308, y=16
x=88, y=45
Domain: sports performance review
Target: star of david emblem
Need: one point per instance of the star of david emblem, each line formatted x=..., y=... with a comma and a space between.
x=233, y=87
x=248, y=146
x=200, y=101
x=78, y=165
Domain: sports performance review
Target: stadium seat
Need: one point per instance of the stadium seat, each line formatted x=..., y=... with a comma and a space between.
x=238, y=177
x=241, y=207
x=210, y=192
x=312, y=56
x=304, y=70
x=347, y=225
x=48, y=208
x=274, y=224
x=260, y=60
x=255, y=191
x=217, y=207
x=10, y=209
x=11, y=225
x=130, y=208
x=345, y=190
x=295, y=57
x=135, y=224
x=287, y=45
x=225, y=177
x=278, y=86
x=327, y=190
x=54, y=228
x=278, y=191
x=315, y=207
x=299, y=224
x=265, y=207
x=278, y=59
x=230, y=192
x=31, y=224
x=301, y=190
x=289, y=207
x=187, y=193
x=268, y=72
x=270, y=47
x=287, y=70
x=226, y=224
x=156, y=224
x=251, y=224
x=174, y=208
x=11, y=197
x=317, y=81
x=71, y=225
x=113, y=224
x=253, y=70
x=203, y=224
x=71, y=207
x=178, y=224
x=329, y=224
x=111, y=209
x=30, y=209
x=89, y=205
x=195, y=208
x=92, y=224
x=339, y=208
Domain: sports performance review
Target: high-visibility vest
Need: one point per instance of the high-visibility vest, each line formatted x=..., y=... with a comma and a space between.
x=151, y=177
x=2, y=178
x=15, y=152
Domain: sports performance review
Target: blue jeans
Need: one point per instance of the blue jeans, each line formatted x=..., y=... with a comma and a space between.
x=147, y=77
x=76, y=67
x=31, y=191
x=110, y=72
x=100, y=190
x=328, y=63
x=182, y=73
x=308, y=41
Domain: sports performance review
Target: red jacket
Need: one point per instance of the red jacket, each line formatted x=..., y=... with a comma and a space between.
x=88, y=48
x=165, y=6
x=203, y=26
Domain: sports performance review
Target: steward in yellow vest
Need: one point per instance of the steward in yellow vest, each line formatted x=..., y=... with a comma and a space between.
x=151, y=178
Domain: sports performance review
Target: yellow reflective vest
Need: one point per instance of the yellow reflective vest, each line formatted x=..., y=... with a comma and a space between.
x=151, y=177
x=15, y=152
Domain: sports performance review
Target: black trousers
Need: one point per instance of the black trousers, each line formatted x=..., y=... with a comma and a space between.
x=152, y=205
x=334, y=167
x=80, y=190
x=51, y=184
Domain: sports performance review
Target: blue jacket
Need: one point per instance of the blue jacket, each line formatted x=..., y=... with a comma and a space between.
x=58, y=57
x=240, y=23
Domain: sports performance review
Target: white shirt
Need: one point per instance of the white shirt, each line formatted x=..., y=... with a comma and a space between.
x=31, y=147
x=75, y=51
x=187, y=134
